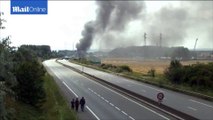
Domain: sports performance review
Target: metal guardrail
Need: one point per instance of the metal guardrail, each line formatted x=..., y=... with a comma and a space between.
x=154, y=104
x=195, y=94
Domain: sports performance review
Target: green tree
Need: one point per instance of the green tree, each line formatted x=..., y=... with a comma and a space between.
x=30, y=83
x=174, y=72
x=199, y=75
x=41, y=51
x=196, y=75
x=24, y=54
x=7, y=79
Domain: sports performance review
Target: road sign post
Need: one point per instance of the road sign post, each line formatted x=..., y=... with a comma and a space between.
x=160, y=97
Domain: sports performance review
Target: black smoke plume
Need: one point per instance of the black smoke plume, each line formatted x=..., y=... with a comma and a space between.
x=111, y=16
x=88, y=32
x=111, y=28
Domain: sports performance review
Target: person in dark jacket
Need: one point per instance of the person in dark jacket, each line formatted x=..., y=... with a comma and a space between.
x=73, y=104
x=82, y=103
x=76, y=104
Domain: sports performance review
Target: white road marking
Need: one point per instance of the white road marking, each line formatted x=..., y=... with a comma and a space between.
x=111, y=104
x=102, y=98
x=90, y=89
x=70, y=89
x=131, y=118
x=137, y=102
x=77, y=96
x=201, y=103
x=117, y=108
x=143, y=90
x=192, y=108
x=106, y=100
x=93, y=113
x=124, y=113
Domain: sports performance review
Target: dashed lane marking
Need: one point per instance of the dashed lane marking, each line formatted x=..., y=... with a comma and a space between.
x=124, y=113
x=77, y=96
x=201, y=103
x=192, y=108
x=131, y=118
x=106, y=100
x=140, y=104
x=143, y=105
x=112, y=104
x=118, y=108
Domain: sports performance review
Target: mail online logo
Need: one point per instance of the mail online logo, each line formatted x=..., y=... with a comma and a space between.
x=28, y=7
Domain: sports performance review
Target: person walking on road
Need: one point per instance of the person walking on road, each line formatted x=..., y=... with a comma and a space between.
x=82, y=103
x=76, y=104
x=73, y=104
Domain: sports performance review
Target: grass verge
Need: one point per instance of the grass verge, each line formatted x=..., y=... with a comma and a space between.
x=54, y=108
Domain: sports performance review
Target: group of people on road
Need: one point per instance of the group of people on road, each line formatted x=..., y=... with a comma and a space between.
x=75, y=104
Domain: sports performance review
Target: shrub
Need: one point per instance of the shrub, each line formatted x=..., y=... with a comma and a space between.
x=151, y=72
x=174, y=71
x=125, y=68
x=196, y=75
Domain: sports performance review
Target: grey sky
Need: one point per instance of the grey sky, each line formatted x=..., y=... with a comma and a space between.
x=179, y=22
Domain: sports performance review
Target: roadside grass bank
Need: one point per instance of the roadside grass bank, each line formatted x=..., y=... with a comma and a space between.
x=158, y=80
x=54, y=108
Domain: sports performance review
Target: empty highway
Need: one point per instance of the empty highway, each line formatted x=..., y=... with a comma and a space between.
x=102, y=103
x=193, y=106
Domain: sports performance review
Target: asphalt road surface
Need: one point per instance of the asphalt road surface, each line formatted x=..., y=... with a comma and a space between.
x=102, y=103
x=193, y=106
